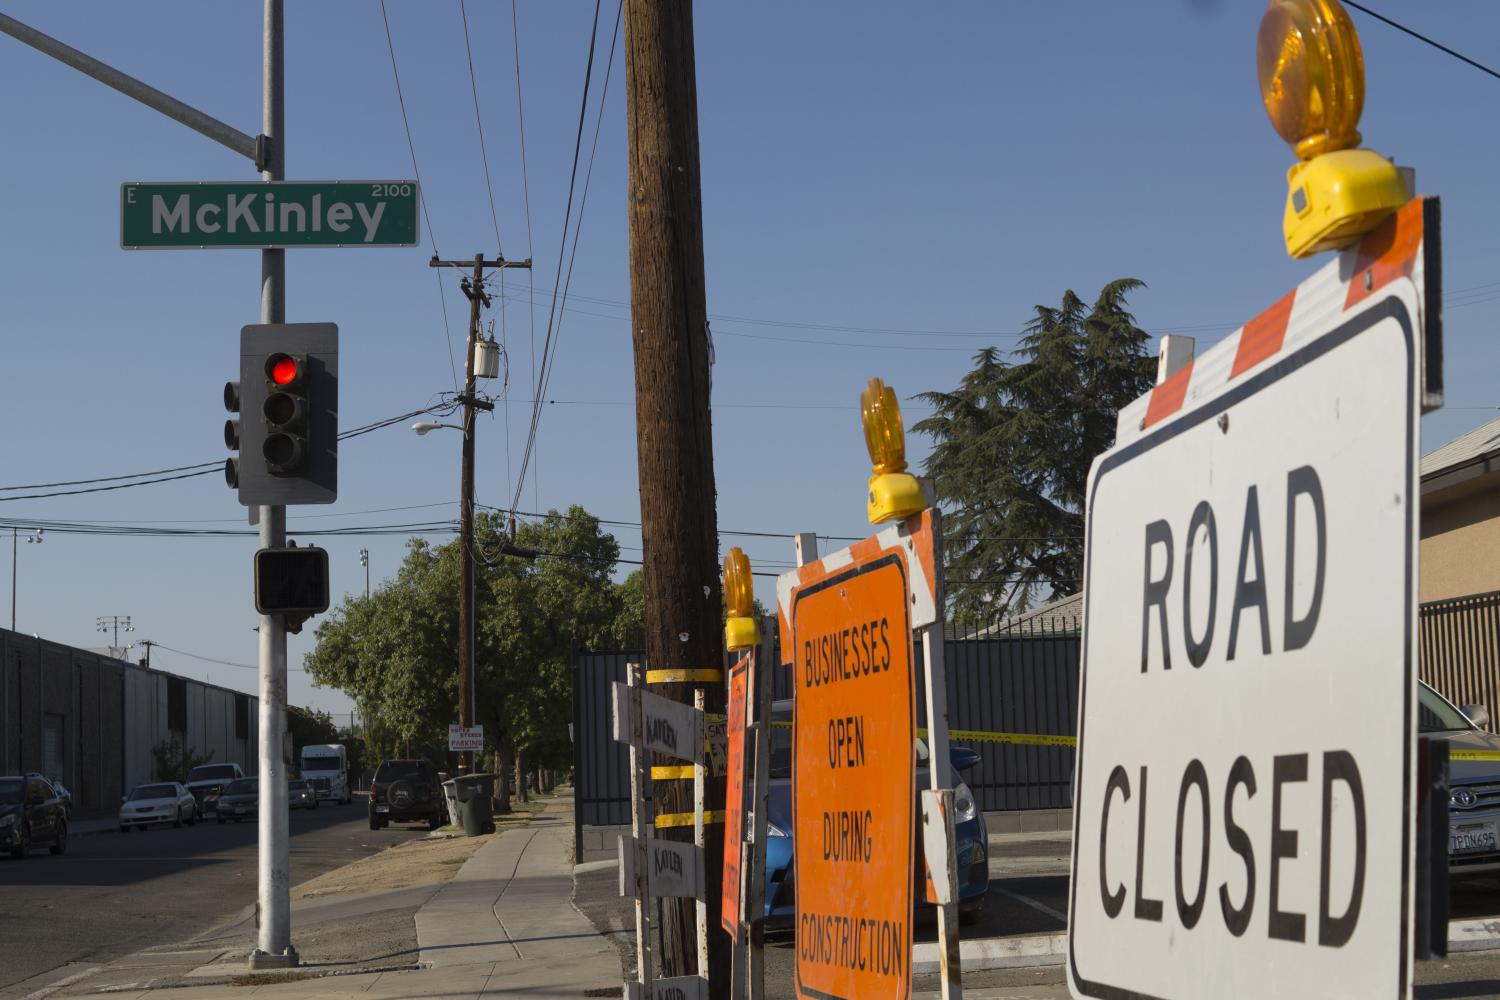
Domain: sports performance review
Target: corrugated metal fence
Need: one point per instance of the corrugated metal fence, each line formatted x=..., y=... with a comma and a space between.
x=1460, y=649
x=1021, y=680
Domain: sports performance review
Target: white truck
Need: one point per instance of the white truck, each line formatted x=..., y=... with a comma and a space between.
x=325, y=766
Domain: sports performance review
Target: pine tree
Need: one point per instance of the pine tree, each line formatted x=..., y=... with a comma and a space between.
x=1012, y=449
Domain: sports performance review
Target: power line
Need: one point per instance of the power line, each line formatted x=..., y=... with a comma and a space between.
x=411, y=147
x=210, y=659
x=406, y=123
x=110, y=479
x=204, y=468
x=587, y=181
x=1423, y=38
x=479, y=123
x=547, y=340
x=515, y=36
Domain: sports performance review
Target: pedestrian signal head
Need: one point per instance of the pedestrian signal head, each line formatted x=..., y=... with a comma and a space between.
x=1312, y=83
x=894, y=492
x=740, y=630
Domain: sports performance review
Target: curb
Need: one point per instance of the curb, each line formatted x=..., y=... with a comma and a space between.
x=1035, y=950
x=1474, y=935
x=976, y=954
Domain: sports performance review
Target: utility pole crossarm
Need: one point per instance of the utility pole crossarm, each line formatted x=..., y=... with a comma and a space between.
x=479, y=262
x=226, y=135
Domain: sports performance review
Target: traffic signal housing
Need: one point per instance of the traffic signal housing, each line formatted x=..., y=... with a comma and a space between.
x=287, y=401
x=291, y=581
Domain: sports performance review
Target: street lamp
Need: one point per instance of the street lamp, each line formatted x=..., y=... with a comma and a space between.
x=106, y=623
x=34, y=537
x=466, y=616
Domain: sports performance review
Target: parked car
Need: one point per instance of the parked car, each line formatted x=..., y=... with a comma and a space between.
x=970, y=835
x=64, y=797
x=159, y=802
x=208, y=781
x=406, y=791
x=1473, y=786
x=31, y=815
x=239, y=801
x=301, y=795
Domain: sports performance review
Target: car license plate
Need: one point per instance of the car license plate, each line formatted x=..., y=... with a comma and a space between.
x=1472, y=838
x=382, y=809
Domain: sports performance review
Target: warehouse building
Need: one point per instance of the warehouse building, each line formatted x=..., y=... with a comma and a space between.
x=94, y=721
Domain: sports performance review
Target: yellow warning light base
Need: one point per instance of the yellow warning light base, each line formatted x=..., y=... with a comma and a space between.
x=741, y=633
x=1335, y=198
x=894, y=496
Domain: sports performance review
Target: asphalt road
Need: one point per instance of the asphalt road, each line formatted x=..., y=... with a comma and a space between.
x=113, y=894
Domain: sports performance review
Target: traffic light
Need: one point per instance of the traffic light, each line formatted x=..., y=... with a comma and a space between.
x=287, y=401
x=291, y=581
x=232, y=434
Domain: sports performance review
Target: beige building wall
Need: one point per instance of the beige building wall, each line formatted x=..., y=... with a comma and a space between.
x=1460, y=548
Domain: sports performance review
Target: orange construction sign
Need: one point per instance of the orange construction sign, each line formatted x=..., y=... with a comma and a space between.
x=734, y=795
x=854, y=773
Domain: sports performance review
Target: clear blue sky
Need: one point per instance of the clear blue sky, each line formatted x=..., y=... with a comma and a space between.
x=867, y=167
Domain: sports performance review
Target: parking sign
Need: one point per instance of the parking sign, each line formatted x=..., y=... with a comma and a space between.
x=1242, y=808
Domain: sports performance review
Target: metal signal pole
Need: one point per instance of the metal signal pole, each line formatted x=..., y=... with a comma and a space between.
x=273, y=883
x=268, y=152
x=679, y=523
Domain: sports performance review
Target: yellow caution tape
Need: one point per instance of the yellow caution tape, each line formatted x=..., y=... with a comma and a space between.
x=1474, y=754
x=686, y=819
x=1015, y=739
x=1043, y=740
x=682, y=676
x=669, y=772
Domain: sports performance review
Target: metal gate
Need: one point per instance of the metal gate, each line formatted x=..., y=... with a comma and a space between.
x=1460, y=650
x=1022, y=681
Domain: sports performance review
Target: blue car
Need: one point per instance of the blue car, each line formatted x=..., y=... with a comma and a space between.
x=970, y=837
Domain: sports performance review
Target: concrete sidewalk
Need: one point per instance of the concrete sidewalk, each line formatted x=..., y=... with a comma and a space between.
x=511, y=904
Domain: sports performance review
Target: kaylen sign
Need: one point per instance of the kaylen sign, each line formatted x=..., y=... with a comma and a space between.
x=1246, y=721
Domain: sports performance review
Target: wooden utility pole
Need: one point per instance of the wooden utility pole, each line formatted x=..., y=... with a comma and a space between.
x=679, y=523
x=467, y=626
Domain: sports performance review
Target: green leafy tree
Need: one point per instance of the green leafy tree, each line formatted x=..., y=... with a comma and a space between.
x=395, y=652
x=1013, y=445
x=309, y=727
x=629, y=629
x=173, y=761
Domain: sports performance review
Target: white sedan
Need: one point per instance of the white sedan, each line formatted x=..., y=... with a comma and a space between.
x=163, y=802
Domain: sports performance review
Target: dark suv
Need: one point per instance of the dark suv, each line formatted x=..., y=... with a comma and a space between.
x=406, y=791
x=31, y=814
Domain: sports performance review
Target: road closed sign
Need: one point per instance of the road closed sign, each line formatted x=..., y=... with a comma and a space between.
x=847, y=627
x=1242, y=825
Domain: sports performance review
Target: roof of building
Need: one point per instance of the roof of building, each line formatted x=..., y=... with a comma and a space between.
x=1061, y=616
x=1480, y=443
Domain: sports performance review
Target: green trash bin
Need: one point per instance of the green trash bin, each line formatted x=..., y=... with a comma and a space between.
x=475, y=793
x=478, y=814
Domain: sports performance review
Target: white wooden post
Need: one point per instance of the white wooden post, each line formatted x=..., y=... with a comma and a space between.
x=1176, y=354
x=759, y=717
x=940, y=778
x=639, y=828
x=700, y=789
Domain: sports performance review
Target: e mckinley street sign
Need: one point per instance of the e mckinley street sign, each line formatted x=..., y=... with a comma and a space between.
x=260, y=214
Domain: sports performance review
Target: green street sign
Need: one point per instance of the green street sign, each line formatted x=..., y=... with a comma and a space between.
x=269, y=214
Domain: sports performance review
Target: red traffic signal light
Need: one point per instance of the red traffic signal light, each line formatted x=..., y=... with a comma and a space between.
x=284, y=370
